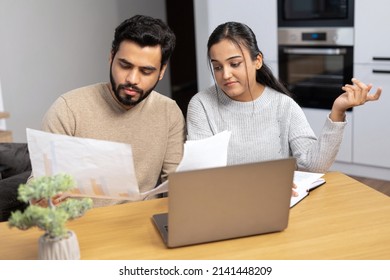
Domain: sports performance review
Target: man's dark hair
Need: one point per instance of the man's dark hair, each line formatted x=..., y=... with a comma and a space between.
x=145, y=31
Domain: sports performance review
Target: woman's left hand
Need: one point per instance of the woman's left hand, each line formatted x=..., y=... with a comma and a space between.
x=294, y=192
x=355, y=95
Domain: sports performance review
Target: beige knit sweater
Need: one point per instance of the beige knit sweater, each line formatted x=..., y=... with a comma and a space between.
x=155, y=129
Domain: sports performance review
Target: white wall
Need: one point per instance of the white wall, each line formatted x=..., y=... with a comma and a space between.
x=51, y=46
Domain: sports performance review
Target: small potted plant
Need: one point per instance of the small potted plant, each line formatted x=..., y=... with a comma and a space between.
x=57, y=242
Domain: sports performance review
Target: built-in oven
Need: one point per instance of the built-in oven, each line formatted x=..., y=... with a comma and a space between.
x=315, y=63
x=336, y=13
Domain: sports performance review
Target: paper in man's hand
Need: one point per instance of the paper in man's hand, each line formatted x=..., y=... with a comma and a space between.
x=100, y=168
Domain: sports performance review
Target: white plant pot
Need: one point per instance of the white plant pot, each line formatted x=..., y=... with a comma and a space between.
x=59, y=249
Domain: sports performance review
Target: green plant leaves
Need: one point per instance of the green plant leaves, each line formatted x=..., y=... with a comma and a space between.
x=50, y=219
x=45, y=187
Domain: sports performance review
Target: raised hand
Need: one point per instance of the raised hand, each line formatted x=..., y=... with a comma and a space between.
x=355, y=94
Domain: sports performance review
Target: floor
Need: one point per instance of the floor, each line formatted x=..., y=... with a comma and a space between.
x=380, y=185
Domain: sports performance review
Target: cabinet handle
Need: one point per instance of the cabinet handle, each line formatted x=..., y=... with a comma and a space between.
x=381, y=71
x=380, y=58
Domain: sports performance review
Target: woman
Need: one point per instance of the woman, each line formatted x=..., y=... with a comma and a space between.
x=266, y=123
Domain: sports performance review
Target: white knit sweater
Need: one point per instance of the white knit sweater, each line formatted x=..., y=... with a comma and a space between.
x=271, y=127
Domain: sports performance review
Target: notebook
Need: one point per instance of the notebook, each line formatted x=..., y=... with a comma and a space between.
x=227, y=202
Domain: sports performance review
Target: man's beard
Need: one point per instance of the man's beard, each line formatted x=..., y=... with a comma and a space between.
x=126, y=99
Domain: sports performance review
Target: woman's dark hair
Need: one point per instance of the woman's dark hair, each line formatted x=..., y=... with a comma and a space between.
x=145, y=31
x=241, y=35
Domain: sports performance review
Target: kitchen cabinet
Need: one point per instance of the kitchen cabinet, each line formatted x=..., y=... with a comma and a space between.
x=371, y=131
x=371, y=31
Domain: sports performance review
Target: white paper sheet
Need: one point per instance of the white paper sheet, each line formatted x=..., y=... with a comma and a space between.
x=200, y=154
x=99, y=168
x=205, y=153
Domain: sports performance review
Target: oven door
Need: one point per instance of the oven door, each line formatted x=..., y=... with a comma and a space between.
x=315, y=75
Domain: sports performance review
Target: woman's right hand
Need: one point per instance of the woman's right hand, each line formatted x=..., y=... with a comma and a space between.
x=356, y=94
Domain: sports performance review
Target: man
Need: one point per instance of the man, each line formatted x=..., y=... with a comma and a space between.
x=128, y=109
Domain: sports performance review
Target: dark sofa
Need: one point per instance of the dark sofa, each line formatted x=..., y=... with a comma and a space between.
x=15, y=169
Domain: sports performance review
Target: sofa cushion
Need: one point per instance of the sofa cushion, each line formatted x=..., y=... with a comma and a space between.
x=14, y=159
x=9, y=195
x=15, y=170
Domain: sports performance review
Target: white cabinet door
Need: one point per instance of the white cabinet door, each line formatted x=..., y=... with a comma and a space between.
x=372, y=21
x=371, y=133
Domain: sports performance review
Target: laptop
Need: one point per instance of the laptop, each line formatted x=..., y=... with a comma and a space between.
x=227, y=202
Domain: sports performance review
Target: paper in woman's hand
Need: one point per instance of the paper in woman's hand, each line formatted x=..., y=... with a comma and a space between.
x=205, y=153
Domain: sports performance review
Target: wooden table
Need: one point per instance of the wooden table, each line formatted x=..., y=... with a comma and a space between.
x=343, y=219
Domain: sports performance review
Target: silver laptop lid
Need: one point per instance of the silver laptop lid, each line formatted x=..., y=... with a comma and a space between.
x=228, y=202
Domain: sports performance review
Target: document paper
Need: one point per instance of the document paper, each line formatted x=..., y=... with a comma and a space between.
x=100, y=168
x=105, y=169
x=198, y=154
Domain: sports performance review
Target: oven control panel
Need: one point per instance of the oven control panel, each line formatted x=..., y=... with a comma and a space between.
x=316, y=36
